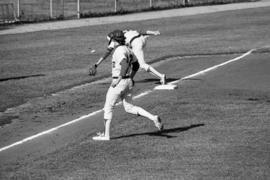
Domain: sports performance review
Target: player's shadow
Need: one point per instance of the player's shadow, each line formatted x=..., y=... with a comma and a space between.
x=21, y=77
x=163, y=133
x=192, y=79
x=157, y=81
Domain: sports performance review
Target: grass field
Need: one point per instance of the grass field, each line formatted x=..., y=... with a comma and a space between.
x=57, y=65
x=216, y=125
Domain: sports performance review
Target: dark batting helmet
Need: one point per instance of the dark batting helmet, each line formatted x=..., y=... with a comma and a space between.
x=117, y=35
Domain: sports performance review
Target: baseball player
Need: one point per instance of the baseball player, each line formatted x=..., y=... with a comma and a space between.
x=136, y=41
x=124, y=68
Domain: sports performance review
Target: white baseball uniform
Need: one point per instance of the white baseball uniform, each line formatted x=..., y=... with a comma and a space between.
x=124, y=65
x=123, y=90
x=137, y=42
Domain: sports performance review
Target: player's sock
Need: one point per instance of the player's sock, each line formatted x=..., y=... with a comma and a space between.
x=144, y=113
x=107, y=123
x=155, y=72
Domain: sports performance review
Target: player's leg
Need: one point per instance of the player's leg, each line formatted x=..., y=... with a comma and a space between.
x=162, y=77
x=111, y=99
x=137, y=48
x=130, y=108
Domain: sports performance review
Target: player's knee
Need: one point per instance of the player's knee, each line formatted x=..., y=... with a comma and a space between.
x=130, y=109
x=107, y=115
x=145, y=66
x=108, y=112
x=108, y=120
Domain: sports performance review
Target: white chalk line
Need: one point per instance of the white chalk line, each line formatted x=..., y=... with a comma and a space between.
x=136, y=97
x=213, y=67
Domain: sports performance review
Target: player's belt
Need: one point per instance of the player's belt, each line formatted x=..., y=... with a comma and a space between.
x=135, y=37
x=123, y=77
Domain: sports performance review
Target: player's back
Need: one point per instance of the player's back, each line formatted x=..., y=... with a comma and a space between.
x=129, y=34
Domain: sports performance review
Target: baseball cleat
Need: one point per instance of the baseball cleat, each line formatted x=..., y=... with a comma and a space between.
x=101, y=137
x=163, y=79
x=158, y=123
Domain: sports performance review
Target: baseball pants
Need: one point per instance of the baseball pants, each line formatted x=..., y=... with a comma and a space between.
x=123, y=92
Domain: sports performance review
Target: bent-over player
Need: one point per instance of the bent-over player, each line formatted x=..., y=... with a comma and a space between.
x=124, y=68
x=137, y=42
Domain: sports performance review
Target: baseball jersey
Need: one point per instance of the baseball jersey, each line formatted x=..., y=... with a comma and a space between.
x=130, y=34
x=122, y=54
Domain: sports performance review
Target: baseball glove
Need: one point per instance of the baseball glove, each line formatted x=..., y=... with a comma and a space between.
x=92, y=70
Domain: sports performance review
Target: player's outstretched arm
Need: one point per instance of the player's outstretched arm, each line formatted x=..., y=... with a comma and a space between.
x=106, y=54
x=155, y=33
x=93, y=69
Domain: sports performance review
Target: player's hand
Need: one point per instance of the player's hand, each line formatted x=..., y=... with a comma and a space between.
x=92, y=70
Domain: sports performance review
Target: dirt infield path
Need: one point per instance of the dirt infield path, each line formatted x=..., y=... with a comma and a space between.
x=131, y=17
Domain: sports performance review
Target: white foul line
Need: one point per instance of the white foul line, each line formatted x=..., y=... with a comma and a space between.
x=213, y=67
x=136, y=97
